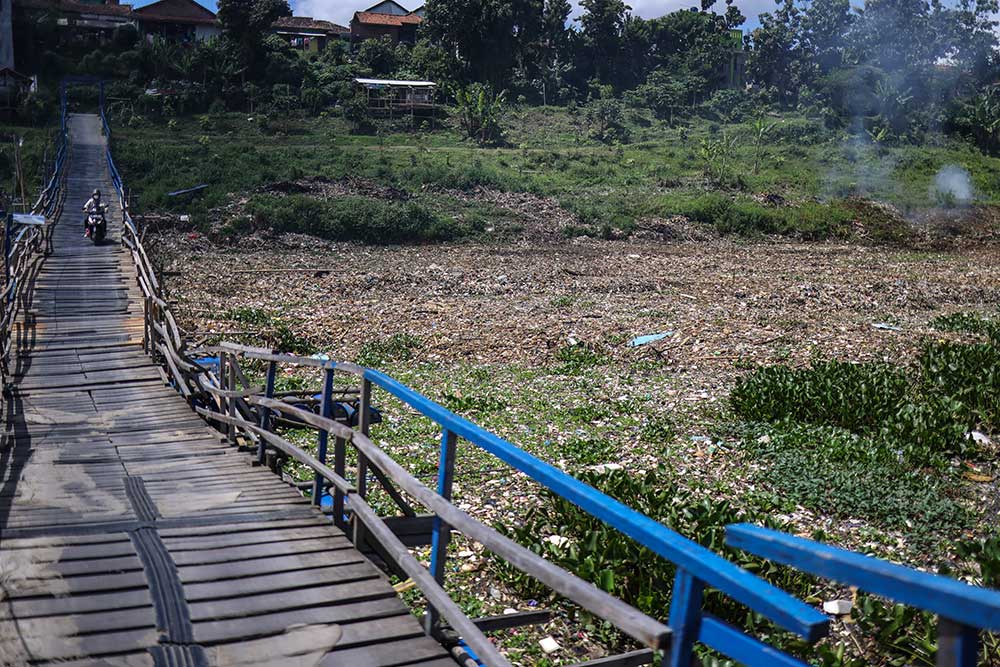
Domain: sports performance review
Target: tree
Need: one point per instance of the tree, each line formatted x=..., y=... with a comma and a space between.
x=602, y=25
x=555, y=14
x=824, y=25
x=693, y=47
x=489, y=37
x=247, y=22
x=666, y=93
x=778, y=60
x=898, y=37
x=430, y=61
x=606, y=117
x=979, y=118
x=972, y=39
x=378, y=56
x=551, y=64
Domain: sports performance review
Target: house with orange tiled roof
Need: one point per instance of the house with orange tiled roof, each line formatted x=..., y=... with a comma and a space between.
x=178, y=21
x=308, y=34
x=386, y=19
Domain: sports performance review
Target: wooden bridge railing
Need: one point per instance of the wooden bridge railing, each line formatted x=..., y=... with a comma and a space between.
x=26, y=241
x=227, y=398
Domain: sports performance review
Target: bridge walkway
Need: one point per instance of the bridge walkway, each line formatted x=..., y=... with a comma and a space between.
x=130, y=532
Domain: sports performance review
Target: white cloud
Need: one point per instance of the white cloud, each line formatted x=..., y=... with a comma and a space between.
x=338, y=11
x=649, y=9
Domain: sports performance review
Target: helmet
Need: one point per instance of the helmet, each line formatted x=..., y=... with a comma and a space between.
x=96, y=193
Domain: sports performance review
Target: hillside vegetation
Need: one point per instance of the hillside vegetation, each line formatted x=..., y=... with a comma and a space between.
x=805, y=181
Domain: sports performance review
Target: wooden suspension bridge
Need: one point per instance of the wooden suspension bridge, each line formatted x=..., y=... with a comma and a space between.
x=141, y=522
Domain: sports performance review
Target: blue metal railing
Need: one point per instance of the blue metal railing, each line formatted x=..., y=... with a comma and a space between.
x=697, y=567
x=116, y=177
x=963, y=610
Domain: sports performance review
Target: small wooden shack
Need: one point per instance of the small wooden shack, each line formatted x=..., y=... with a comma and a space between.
x=13, y=86
x=396, y=99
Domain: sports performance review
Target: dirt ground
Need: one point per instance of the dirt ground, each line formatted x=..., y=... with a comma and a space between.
x=719, y=301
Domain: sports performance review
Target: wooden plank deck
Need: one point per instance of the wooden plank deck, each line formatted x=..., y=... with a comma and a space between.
x=130, y=533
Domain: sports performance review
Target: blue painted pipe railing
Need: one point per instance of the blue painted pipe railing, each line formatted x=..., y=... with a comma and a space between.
x=697, y=567
x=963, y=610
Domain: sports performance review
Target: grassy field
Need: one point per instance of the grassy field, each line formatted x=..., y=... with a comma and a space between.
x=801, y=180
x=36, y=147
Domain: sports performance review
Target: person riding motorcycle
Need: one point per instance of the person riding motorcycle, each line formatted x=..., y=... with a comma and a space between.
x=93, y=205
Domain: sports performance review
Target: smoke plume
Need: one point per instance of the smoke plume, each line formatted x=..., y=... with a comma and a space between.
x=953, y=184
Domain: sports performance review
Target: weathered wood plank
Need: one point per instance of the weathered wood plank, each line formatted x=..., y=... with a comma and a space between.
x=120, y=505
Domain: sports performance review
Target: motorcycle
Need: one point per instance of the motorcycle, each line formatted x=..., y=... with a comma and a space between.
x=97, y=224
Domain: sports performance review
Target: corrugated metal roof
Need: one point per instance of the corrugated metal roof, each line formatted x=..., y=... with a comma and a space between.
x=394, y=82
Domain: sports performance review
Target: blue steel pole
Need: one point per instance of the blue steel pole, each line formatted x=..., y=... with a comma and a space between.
x=685, y=617
x=265, y=413
x=958, y=644
x=326, y=410
x=441, y=532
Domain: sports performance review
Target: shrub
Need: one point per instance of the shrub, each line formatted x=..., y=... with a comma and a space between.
x=856, y=397
x=800, y=132
x=601, y=555
x=971, y=323
x=274, y=332
x=397, y=347
x=967, y=377
x=481, y=112
x=606, y=117
x=576, y=357
x=665, y=93
x=729, y=105
x=351, y=219
x=877, y=401
x=847, y=475
x=811, y=220
x=986, y=554
x=356, y=111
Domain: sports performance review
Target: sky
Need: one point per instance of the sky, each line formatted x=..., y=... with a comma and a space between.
x=340, y=11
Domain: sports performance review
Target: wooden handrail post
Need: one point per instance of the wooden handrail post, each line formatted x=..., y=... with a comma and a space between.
x=323, y=437
x=265, y=413
x=8, y=221
x=339, y=465
x=441, y=531
x=364, y=424
x=153, y=308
